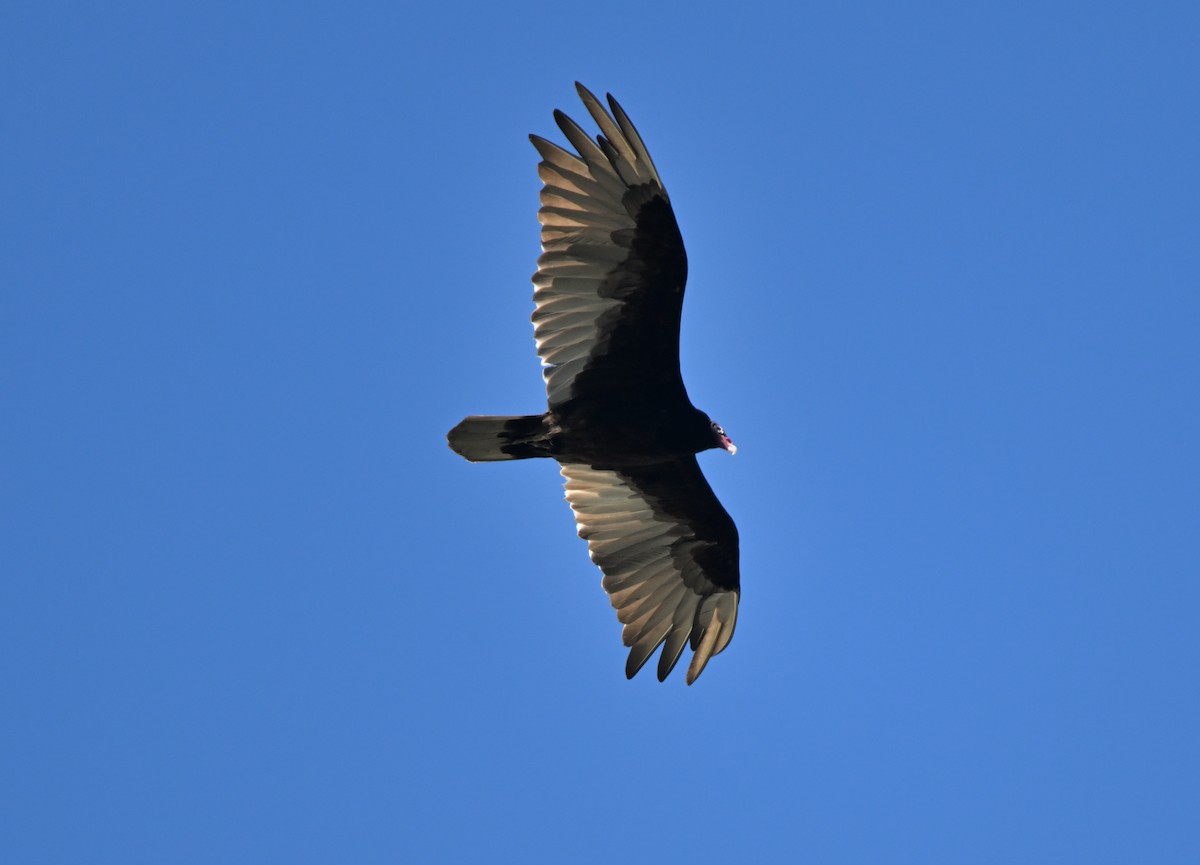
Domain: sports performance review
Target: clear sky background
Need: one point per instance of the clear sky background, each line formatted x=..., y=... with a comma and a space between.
x=944, y=295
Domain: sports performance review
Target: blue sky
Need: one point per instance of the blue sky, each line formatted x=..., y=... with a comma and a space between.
x=944, y=295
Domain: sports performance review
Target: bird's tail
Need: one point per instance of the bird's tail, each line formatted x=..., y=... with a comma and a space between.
x=487, y=438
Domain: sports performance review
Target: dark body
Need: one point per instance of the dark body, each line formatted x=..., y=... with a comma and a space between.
x=625, y=433
x=609, y=295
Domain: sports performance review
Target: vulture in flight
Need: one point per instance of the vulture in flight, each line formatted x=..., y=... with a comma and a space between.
x=608, y=294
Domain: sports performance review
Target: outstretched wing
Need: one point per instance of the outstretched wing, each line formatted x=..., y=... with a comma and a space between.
x=669, y=554
x=609, y=285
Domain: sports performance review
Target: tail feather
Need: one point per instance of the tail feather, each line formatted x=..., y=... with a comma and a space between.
x=488, y=438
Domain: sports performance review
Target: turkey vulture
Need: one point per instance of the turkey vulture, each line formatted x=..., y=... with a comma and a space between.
x=608, y=296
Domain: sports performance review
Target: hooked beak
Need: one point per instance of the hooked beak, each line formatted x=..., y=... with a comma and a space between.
x=728, y=445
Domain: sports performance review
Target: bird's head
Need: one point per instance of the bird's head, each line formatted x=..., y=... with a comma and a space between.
x=720, y=439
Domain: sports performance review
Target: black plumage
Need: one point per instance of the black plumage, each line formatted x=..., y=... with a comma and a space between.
x=608, y=295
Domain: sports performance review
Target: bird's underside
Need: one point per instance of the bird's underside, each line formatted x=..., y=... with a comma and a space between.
x=608, y=296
